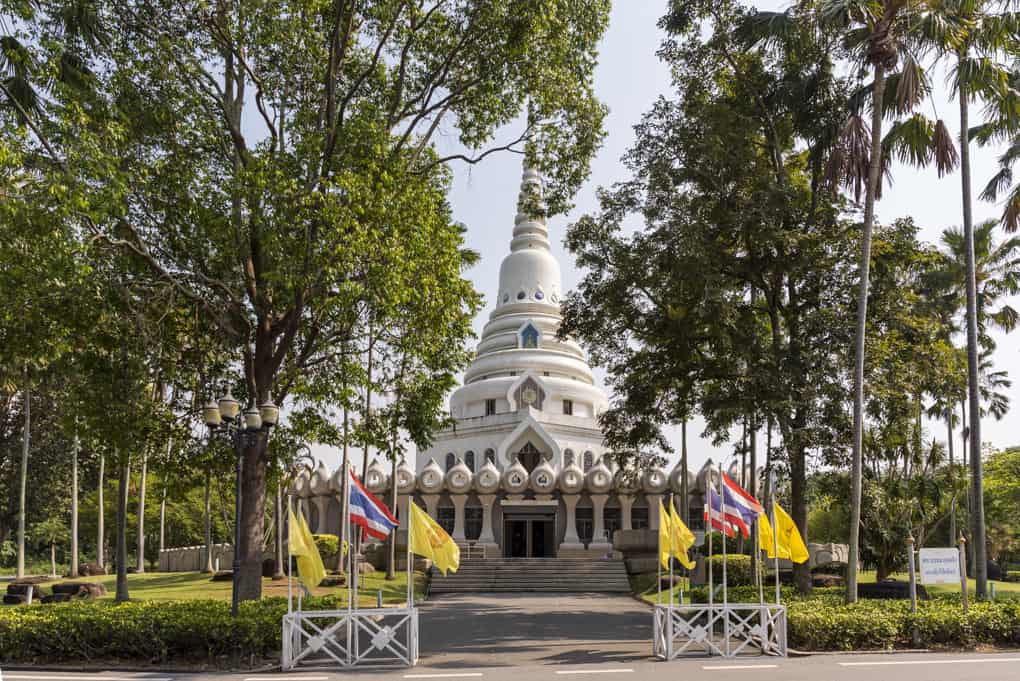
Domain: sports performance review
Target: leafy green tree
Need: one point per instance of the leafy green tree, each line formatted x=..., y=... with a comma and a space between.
x=1002, y=487
x=259, y=167
x=731, y=298
x=51, y=532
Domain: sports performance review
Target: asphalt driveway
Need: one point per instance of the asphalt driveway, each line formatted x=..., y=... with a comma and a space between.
x=508, y=629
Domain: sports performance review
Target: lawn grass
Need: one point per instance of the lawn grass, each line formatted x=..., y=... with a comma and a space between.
x=165, y=586
x=1010, y=588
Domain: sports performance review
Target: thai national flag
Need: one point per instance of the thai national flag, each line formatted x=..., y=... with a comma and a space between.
x=735, y=510
x=723, y=518
x=367, y=511
x=737, y=499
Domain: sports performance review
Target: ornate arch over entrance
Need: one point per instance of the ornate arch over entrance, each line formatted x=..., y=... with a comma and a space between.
x=529, y=456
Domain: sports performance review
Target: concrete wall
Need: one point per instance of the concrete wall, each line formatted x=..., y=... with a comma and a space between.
x=192, y=558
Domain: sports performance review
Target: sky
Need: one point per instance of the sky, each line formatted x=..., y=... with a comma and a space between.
x=628, y=80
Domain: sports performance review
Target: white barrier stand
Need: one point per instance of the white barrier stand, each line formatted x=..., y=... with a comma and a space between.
x=725, y=630
x=350, y=638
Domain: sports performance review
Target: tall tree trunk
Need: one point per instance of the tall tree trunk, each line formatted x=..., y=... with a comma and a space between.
x=162, y=521
x=864, y=274
x=53, y=560
x=140, y=565
x=23, y=479
x=101, y=517
x=798, y=505
x=253, y=516
x=367, y=418
x=753, y=483
x=685, y=511
x=122, y=511
x=952, y=477
x=208, y=523
x=973, y=358
x=278, y=572
x=73, y=570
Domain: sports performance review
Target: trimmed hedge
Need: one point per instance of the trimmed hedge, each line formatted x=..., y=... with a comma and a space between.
x=738, y=569
x=203, y=631
x=152, y=631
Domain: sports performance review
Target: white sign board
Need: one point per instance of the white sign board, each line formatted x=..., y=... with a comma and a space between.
x=940, y=566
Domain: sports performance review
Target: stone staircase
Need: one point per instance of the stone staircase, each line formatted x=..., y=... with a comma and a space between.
x=550, y=575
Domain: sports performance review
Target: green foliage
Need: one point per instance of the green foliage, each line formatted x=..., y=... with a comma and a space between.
x=738, y=569
x=328, y=546
x=880, y=624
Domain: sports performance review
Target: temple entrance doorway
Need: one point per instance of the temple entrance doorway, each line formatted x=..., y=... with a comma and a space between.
x=531, y=536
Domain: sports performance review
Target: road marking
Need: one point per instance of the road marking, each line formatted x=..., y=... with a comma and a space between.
x=280, y=678
x=85, y=677
x=454, y=675
x=974, y=660
x=596, y=671
x=740, y=666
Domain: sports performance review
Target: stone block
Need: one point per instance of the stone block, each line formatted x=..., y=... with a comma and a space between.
x=641, y=564
x=635, y=541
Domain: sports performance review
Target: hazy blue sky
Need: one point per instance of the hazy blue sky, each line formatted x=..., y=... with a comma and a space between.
x=628, y=80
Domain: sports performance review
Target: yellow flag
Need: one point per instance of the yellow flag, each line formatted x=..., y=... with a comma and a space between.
x=665, y=536
x=303, y=547
x=787, y=539
x=430, y=540
x=683, y=539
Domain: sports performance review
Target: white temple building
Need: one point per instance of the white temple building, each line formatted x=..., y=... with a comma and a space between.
x=522, y=471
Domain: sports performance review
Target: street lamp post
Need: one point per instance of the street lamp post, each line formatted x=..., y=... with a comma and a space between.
x=242, y=430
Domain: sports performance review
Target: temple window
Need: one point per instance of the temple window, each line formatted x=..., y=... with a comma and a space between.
x=472, y=522
x=568, y=407
x=585, y=525
x=521, y=295
x=529, y=337
x=446, y=518
x=639, y=518
x=490, y=455
x=490, y=407
x=451, y=460
x=589, y=461
x=469, y=460
x=568, y=457
x=529, y=394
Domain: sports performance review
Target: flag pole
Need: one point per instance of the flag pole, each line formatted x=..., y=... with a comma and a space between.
x=775, y=532
x=290, y=561
x=708, y=528
x=722, y=505
x=658, y=561
x=672, y=549
x=410, y=569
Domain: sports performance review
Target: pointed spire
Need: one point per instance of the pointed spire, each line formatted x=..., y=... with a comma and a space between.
x=530, y=229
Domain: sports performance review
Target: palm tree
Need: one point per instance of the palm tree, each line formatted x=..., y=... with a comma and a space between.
x=976, y=37
x=880, y=33
x=975, y=259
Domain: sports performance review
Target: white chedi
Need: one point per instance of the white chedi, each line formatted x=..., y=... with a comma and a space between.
x=543, y=478
x=430, y=480
x=458, y=478
x=405, y=478
x=487, y=478
x=515, y=478
x=571, y=479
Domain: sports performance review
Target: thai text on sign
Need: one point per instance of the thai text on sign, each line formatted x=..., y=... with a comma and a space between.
x=940, y=566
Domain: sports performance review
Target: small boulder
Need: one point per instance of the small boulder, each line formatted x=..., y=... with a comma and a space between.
x=223, y=576
x=333, y=580
x=822, y=580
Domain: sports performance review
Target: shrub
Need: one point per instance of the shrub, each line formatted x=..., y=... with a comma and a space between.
x=329, y=547
x=150, y=631
x=738, y=569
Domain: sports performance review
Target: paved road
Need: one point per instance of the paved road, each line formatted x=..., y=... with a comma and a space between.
x=500, y=630
x=893, y=667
